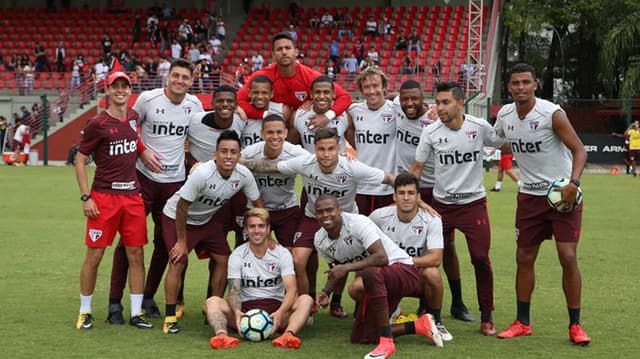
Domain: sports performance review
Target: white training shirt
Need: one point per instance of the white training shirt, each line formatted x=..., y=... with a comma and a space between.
x=408, y=133
x=422, y=233
x=251, y=132
x=458, y=158
x=541, y=154
x=277, y=190
x=341, y=183
x=208, y=192
x=164, y=127
x=262, y=277
x=357, y=234
x=203, y=138
x=375, y=141
x=307, y=136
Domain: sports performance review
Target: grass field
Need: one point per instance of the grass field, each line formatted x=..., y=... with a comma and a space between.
x=41, y=250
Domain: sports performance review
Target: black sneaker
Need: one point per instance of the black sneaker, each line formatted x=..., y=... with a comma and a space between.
x=150, y=308
x=495, y=189
x=115, y=314
x=139, y=321
x=462, y=313
x=170, y=328
x=84, y=321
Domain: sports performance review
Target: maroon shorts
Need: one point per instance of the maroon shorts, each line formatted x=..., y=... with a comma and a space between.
x=306, y=232
x=634, y=155
x=426, y=194
x=285, y=224
x=238, y=205
x=268, y=305
x=118, y=213
x=210, y=237
x=17, y=145
x=472, y=219
x=537, y=221
x=156, y=194
x=384, y=288
x=368, y=203
x=506, y=161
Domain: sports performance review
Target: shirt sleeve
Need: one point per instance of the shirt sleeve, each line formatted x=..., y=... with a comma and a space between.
x=343, y=100
x=324, y=253
x=249, y=187
x=434, y=233
x=491, y=137
x=424, y=148
x=234, y=268
x=194, y=184
x=286, y=263
x=90, y=139
x=367, y=174
x=499, y=127
x=138, y=107
x=290, y=166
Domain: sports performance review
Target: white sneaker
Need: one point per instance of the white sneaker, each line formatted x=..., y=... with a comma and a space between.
x=444, y=333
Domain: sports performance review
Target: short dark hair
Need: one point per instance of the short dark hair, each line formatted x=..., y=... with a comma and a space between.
x=325, y=133
x=410, y=84
x=282, y=35
x=182, y=63
x=327, y=196
x=228, y=135
x=455, y=89
x=322, y=78
x=274, y=117
x=520, y=68
x=262, y=79
x=405, y=179
x=224, y=88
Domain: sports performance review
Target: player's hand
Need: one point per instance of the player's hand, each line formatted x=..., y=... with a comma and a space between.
x=323, y=300
x=428, y=208
x=241, y=113
x=306, y=105
x=177, y=252
x=90, y=209
x=432, y=112
x=239, y=315
x=152, y=160
x=336, y=272
x=317, y=121
x=277, y=319
x=569, y=194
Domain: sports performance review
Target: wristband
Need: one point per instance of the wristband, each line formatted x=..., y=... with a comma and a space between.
x=575, y=181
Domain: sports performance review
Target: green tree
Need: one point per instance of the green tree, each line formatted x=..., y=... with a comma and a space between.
x=621, y=54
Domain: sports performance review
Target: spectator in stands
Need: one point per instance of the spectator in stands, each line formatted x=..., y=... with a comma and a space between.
x=350, y=64
x=100, y=70
x=27, y=72
x=167, y=12
x=60, y=56
x=374, y=55
x=152, y=25
x=185, y=33
x=61, y=104
x=4, y=125
x=331, y=69
x=334, y=51
x=292, y=31
x=194, y=53
x=204, y=70
x=343, y=30
x=314, y=21
x=161, y=34
x=176, y=50
x=137, y=29
x=241, y=72
x=414, y=42
x=293, y=10
x=358, y=50
x=75, y=73
x=327, y=20
x=24, y=58
x=371, y=27
x=199, y=32
x=107, y=44
x=163, y=71
x=366, y=63
x=220, y=29
x=216, y=69
x=216, y=44
x=257, y=62
x=14, y=63
x=407, y=64
x=42, y=63
x=401, y=42
x=151, y=68
x=387, y=29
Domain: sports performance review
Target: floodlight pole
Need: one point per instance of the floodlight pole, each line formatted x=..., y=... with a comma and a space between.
x=555, y=31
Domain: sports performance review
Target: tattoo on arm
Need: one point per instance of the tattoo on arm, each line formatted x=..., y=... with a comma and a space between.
x=234, y=294
x=261, y=166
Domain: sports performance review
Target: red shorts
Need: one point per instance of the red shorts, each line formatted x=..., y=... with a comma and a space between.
x=426, y=194
x=268, y=305
x=537, y=221
x=306, y=233
x=210, y=237
x=368, y=203
x=118, y=213
x=634, y=155
x=156, y=194
x=506, y=161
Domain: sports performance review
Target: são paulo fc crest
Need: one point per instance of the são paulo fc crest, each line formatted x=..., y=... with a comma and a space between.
x=471, y=135
x=300, y=95
x=95, y=234
x=187, y=110
x=387, y=117
x=296, y=236
x=235, y=184
x=348, y=241
x=533, y=125
x=341, y=178
x=133, y=124
x=417, y=229
x=272, y=266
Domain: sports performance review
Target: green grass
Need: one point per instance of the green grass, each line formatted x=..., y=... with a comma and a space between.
x=41, y=250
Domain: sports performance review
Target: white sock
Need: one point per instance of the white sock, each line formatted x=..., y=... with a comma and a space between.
x=519, y=183
x=85, y=303
x=498, y=185
x=136, y=304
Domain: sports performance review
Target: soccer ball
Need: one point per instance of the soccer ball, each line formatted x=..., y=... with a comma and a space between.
x=554, y=197
x=256, y=325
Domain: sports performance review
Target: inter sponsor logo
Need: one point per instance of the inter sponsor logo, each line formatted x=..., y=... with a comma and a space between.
x=168, y=128
x=370, y=137
x=212, y=202
x=521, y=146
x=95, y=234
x=122, y=147
x=457, y=157
x=411, y=251
x=270, y=181
x=250, y=138
x=315, y=190
x=407, y=137
x=357, y=258
x=259, y=282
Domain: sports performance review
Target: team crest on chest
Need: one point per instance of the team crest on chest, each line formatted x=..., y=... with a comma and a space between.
x=133, y=124
x=341, y=178
x=417, y=229
x=234, y=184
x=272, y=266
x=533, y=125
x=187, y=110
x=425, y=123
x=387, y=117
x=348, y=241
x=471, y=135
x=301, y=95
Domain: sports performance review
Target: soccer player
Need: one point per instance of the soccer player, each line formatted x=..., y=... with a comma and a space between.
x=505, y=166
x=260, y=95
x=322, y=172
x=193, y=217
x=292, y=83
x=322, y=96
x=164, y=115
x=277, y=190
x=351, y=242
x=455, y=143
x=114, y=203
x=420, y=235
x=372, y=130
x=260, y=276
x=539, y=130
x=634, y=146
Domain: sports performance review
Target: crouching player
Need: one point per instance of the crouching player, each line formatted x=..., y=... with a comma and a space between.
x=261, y=276
x=353, y=243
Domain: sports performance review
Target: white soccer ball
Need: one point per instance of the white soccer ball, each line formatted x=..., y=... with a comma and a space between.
x=554, y=197
x=256, y=325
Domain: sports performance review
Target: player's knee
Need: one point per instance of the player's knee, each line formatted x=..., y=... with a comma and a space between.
x=94, y=256
x=356, y=290
x=525, y=258
x=431, y=276
x=481, y=261
x=305, y=302
x=213, y=303
x=568, y=259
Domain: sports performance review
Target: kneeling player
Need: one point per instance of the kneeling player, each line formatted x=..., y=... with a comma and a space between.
x=353, y=243
x=260, y=276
